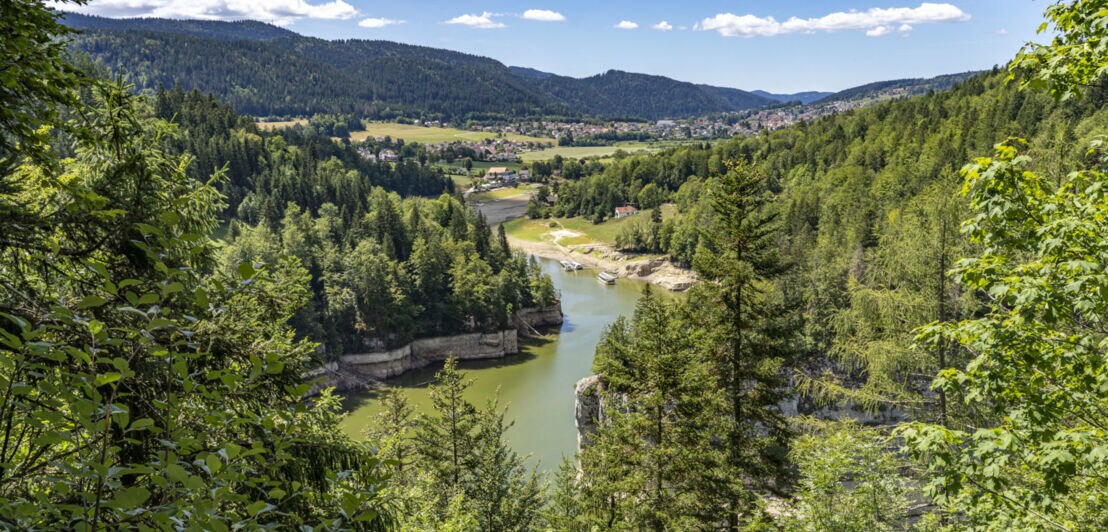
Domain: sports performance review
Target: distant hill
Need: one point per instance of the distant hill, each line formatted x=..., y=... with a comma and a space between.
x=898, y=88
x=243, y=30
x=618, y=93
x=802, y=97
x=525, y=72
x=264, y=70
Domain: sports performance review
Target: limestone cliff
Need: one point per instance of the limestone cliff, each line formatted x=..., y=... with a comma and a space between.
x=588, y=409
x=364, y=370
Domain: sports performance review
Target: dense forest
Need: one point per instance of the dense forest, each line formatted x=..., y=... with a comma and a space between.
x=265, y=71
x=167, y=272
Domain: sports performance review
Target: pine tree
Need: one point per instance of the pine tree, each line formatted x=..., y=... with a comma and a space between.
x=445, y=440
x=653, y=463
x=391, y=434
x=504, y=495
x=738, y=261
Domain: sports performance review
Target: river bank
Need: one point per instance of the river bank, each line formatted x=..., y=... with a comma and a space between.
x=653, y=270
x=367, y=371
x=536, y=385
x=595, y=256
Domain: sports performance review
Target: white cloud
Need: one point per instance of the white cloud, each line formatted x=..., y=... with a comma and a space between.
x=875, y=22
x=627, y=25
x=663, y=26
x=280, y=12
x=543, y=15
x=1002, y=31
x=375, y=23
x=483, y=21
x=904, y=28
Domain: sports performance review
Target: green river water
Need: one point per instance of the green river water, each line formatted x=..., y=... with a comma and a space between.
x=537, y=384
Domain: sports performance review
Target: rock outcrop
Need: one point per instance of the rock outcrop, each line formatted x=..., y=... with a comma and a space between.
x=362, y=371
x=588, y=410
x=527, y=321
x=420, y=353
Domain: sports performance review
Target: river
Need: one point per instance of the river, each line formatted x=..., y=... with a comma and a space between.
x=536, y=385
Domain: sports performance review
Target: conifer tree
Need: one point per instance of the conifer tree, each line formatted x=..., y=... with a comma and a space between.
x=738, y=260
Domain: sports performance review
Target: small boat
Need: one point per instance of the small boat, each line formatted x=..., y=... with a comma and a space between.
x=607, y=277
x=571, y=266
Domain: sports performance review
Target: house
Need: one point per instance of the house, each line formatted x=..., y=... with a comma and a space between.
x=388, y=156
x=367, y=153
x=524, y=175
x=625, y=211
x=501, y=174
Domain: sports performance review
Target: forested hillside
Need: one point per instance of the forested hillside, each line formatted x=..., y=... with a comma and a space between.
x=897, y=88
x=935, y=265
x=847, y=263
x=265, y=71
x=624, y=94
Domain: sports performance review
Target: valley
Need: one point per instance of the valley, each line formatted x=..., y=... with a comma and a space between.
x=320, y=265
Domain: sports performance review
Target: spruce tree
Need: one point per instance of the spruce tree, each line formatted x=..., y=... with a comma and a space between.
x=739, y=262
x=653, y=463
x=445, y=439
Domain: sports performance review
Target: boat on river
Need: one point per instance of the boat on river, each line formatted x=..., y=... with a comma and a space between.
x=607, y=277
x=571, y=266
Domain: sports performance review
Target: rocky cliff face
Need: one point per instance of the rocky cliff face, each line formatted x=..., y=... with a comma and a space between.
x=529, y=319
x=424, y=351
x=588, y=409
x=364, y=370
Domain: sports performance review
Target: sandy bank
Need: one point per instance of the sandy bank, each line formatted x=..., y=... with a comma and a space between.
x=653, y=270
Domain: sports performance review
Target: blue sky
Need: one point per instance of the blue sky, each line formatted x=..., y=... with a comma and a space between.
x=782, y=45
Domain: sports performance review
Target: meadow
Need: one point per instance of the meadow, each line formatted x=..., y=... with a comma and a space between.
x=431, y=135
x=581, y=152
x=545, y=230
x=270, y=126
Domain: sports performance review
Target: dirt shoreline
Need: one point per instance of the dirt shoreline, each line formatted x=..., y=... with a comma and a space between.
x=657, y=271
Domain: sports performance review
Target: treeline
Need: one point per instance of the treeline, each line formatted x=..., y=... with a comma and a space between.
x=265, y=171
x=382, y=270
x=406, y=269
x=302, y=76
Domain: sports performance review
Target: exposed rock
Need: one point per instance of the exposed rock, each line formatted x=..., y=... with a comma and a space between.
x=341, y=378
x=361, y=371
x=528, y=320
x=424, y=351
x=643, y=268
x=588, y=410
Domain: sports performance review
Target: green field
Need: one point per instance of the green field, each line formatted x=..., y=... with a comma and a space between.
x=430, y=135
x=581, y=152
x=587, y=232
x=500, y=194
x=269, y=126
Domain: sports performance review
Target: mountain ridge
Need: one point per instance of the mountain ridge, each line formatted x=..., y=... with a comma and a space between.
x=265, y=70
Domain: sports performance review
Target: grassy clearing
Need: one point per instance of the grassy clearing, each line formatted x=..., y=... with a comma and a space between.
x=581, y=152
x=586, y=232
x=430, y=135
x=589, y=233
x=461, y=182
x=500, y=194
x=269, y=126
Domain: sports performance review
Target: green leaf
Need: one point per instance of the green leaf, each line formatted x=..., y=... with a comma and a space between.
x=91, y=301
x=107, y=378
x=128, y=498
x=246, y=270
x=258, y=507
